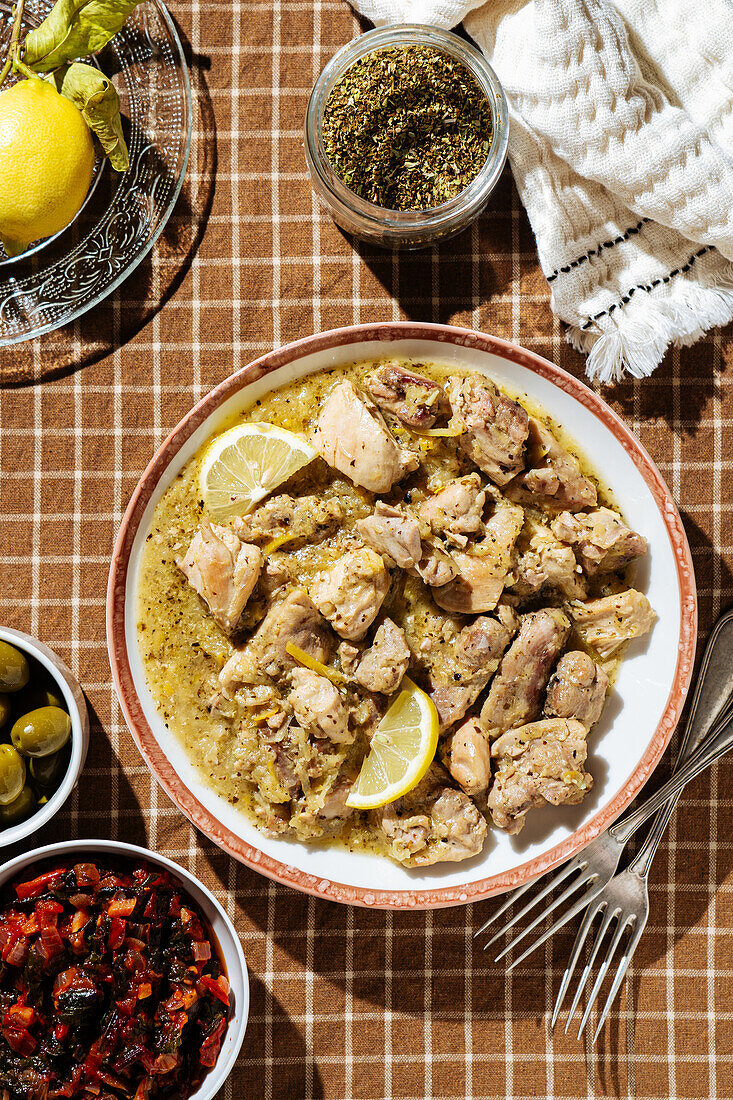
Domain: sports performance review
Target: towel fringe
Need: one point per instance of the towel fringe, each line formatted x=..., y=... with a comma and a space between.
x=643, y=330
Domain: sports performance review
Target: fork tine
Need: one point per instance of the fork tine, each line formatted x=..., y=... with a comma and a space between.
x=512, y=898
x=555, y=881
x=620, y=975
x=620, y=929
x=584, y=899
x=583, y=979
x=590, y=916
x=563, y=897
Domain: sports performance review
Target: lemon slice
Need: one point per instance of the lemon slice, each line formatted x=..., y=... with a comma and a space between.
x=401, y=750
x=244, y=464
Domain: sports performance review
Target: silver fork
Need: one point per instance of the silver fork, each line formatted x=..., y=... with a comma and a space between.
x=625, y=900
x=593, y=869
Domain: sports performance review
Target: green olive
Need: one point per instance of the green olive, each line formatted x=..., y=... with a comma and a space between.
x=45, y=770
x=19, y=809
x=41, y=732
x=5, y=709
x=14, y=670
x=12, y=774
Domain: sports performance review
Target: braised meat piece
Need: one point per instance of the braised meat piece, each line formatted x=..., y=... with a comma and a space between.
x=434, y=823
x=350, y=593
x=469, y=757
x=606, y=623
x=477, y=588
x=502, y=529
x=223, y=570
x=334, y=804
x=322, y=809
x=577, y=689
x=480, y=642
x=458, y=829
x=554, y=479
x=456, y=511
x=482, y=573
x=280, y=571
x=538, y=764
x=318, y=707
x=300, y=519
x=294, y=619
x=391, y=531
x=602, y=541
x=416, y=401
x=453, y=700
x=379, y=668
x=516, y=690
x=464, y=670
x=395, y=533
x=494, y=428
x=543, y=562
x=436, y=566
x=351, y=436
x=349, y=656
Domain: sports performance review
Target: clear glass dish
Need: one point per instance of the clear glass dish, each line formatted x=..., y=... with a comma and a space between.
x=64, y=276
x=408, y=229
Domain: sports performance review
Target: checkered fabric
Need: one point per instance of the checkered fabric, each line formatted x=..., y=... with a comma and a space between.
x=347, y=1002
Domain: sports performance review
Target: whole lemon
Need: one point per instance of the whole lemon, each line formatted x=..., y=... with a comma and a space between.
x=46, y=163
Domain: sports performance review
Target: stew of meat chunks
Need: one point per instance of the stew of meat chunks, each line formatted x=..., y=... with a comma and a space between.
x=447, y=532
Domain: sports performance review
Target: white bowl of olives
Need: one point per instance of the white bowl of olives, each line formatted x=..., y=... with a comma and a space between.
x=44, y=734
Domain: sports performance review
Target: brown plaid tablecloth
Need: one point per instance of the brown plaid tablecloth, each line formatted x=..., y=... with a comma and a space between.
x=345, y=1002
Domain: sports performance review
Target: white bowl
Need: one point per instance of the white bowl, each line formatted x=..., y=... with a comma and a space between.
x=219, y=922
x=638, y=719
x=77, y=708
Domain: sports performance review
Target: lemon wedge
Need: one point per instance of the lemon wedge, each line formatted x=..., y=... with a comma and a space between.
x=401, y=751
x=244, y=464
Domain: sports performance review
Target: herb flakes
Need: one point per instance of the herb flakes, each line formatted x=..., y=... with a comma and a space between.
x=407, y=127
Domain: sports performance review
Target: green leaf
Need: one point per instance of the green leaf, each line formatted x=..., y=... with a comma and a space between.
x=72, y=29
x=96, y=97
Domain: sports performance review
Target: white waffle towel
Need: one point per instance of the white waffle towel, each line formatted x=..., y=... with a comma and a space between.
x=621, y=145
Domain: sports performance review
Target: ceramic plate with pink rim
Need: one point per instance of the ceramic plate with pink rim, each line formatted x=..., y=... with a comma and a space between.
x=639, y=717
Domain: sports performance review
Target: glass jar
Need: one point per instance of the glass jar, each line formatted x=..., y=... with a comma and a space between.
x=408, y=229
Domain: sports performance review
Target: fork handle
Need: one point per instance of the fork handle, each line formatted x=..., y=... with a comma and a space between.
x=709, y=708
x=710, y=751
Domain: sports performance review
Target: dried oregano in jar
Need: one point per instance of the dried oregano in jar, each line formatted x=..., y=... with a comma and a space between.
x=407, y=127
